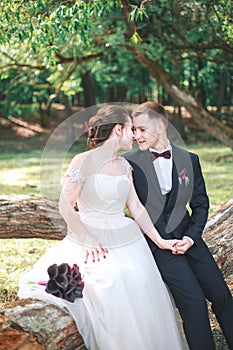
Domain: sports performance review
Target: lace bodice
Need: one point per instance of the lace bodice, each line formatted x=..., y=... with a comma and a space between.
x=104, y=194
x=101, y=205
x=101, y=193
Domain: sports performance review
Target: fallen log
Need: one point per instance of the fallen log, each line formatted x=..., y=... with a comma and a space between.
x=32, y=324
x=218, y=234
x=30, y=217
x=35, y=217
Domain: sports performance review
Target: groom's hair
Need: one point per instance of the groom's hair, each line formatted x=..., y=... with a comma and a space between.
x=154, y=110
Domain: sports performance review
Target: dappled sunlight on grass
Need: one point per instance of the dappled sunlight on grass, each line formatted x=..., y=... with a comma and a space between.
x=219, y=183
x=18, y=255
x=23, y=176
x=217, y=165
x=213, y=152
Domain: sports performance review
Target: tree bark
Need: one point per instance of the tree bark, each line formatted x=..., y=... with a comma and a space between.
x=218, y=234
x=32, y=324
x=30, y=217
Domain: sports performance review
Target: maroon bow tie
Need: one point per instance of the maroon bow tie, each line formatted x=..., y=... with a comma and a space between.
x=165, y=154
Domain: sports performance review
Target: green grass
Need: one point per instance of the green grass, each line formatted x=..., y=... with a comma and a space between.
x=19, y=176
x=17, y=255
x=21, y=173
x=217, y=166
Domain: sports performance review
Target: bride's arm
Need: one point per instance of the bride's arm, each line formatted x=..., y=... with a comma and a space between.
x=69, y=194
x=67, y=200
x=141, y=216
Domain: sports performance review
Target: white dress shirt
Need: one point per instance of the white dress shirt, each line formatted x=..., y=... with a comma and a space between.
x=163, y=169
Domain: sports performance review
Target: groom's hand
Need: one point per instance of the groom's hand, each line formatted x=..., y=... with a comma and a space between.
x=182, y=246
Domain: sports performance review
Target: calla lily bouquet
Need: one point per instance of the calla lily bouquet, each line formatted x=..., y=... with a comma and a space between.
x=65, y=282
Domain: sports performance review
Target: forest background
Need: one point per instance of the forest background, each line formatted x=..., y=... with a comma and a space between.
x=60, y=57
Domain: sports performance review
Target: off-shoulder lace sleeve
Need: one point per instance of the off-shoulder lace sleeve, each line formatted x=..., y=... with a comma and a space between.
x=75, y=174
x=129, y=168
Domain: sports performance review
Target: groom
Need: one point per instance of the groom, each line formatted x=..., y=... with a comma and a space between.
x=167, y=179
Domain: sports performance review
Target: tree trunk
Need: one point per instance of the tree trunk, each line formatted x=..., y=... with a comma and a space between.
x=30, y=217
x=218, y=234
x=121, y=92
x=177, y=121
x=69, y=122
x=43, y=116
x=212, y=125
x=88, y=89
x=221, y=92
x=32, y=324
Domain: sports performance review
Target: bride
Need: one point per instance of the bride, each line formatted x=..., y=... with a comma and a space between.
x=125, y=304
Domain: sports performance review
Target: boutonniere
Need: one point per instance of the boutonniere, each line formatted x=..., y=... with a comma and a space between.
x=183, y=178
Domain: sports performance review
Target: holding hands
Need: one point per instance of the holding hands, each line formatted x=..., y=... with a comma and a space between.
x=183, y=246
x=168, y=244
x=177, y=246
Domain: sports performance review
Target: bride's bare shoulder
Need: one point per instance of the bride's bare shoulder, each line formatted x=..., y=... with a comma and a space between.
x=80, y=158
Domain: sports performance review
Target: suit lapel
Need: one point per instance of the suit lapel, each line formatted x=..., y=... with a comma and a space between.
x=179, y=193
x=172, y=196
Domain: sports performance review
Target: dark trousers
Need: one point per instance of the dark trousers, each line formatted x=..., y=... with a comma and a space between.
x=192, y=281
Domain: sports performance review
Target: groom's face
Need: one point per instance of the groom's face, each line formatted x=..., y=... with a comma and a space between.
x=147, y=132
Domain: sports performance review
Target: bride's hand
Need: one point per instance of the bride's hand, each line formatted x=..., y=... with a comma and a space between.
x=95, y=254
x=169, y=244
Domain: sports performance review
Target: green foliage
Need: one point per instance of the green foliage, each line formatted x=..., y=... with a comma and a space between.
x=47, y=45
x=138, y=12
x=192, y=34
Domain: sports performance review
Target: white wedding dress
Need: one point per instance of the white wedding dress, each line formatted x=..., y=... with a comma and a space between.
x=125, y=303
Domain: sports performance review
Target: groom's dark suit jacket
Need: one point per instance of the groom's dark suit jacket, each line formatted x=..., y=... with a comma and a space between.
x=169, y=213
x=185, y=274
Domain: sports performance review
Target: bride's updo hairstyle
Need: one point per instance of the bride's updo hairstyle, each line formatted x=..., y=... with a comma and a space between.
x=101, y=125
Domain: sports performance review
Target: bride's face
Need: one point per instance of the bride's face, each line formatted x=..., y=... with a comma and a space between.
x=126, y=140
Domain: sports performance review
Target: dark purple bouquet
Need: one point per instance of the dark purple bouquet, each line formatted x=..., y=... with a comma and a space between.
x=65, y=282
